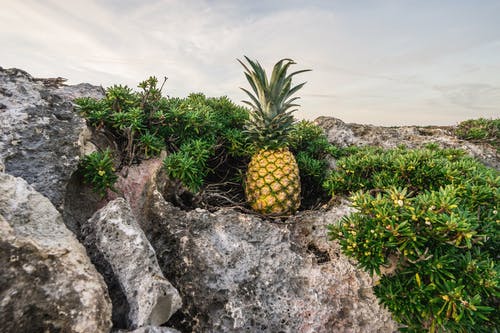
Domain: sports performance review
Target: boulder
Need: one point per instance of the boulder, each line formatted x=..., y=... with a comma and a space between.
x=344, y=134
x=42, y=138
x=140, y=293
x=239, y=273
x=47, y=282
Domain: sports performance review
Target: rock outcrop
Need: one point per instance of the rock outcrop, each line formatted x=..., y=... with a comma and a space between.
x=47, y=282
x=344, y=134
x=41, y=136
x=239, y=273
x=140, y=293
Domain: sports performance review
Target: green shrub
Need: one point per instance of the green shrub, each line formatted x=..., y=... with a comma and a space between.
x=480, y=130
x=311, y=148
x=98, y=171
x=204, y=137
x=128, y=117
x=376, y=168
x=433, y=215
x=190, y=163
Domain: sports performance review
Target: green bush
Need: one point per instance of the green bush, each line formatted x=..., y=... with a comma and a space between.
x=480, y=130
x=312, y=149
x=433, y=215
x=190, y=163
x=144, y=123
x=375, y=168
x=206, y=138
x=98, y=171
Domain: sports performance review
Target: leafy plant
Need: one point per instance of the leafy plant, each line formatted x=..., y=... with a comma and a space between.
x=190, y=163
x=375, y=168
x=128, y=117
x=439, y=229
x=144, y=123
x=151, y=144
x=312, y=149
x=95, y=111
x=480, y=130
x=98, y=171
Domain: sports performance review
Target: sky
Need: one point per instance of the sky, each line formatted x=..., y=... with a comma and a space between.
x=381, y=62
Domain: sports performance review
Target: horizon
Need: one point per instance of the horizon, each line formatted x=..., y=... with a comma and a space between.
x=389, y=63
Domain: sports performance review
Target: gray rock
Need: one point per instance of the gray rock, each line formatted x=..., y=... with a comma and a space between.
x=342, y=135
x=239, y=273
x=122, y=253
x=151, y=329
x=41, y=136
x=47, y=282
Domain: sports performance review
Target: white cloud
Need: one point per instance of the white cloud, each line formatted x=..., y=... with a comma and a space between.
x=377, y=62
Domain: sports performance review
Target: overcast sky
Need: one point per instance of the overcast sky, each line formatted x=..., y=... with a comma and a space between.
x=382, y=62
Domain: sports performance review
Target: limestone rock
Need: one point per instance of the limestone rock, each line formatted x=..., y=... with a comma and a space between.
x=151, y=329
x=47, y=282
x=140, y=293
x=41, y=135
x=132, y=181
x=343, y=134
x=239, y=273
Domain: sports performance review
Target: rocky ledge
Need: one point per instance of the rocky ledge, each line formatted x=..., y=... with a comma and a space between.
x=344, y=134
x=71, y=262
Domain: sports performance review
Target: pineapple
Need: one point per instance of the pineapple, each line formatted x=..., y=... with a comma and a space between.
x=272, y=182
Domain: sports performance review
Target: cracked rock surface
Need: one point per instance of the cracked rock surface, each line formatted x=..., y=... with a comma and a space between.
x=239, y=273
x=141, y=295
x=47, y=282
x=41, y=135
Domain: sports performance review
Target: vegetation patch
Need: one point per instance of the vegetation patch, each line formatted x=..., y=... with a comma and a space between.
x=207, y=141
x=431, y=214
x=98, y=171
x=480, y=130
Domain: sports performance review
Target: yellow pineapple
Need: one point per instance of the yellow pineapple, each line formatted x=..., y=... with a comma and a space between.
x=272, y=183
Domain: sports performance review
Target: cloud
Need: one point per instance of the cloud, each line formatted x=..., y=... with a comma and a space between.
x=383, y=62
x=472, y=96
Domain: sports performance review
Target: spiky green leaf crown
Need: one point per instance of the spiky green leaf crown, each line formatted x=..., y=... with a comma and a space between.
x=272, y=103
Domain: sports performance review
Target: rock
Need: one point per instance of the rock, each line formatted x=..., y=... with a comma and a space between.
x=343, y=135
x=47, y=282
x=346, y=290
x=140, y=293
x=132, y=181
x=151, y=329
x=130, y=184
x=239, y=273
x=41, y=137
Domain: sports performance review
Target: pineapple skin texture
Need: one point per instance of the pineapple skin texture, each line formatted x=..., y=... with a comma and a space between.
x=272, y=184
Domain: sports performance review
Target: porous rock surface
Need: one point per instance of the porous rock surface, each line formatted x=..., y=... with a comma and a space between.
x=41, y=136
x=141, y=295
x=81, y=202
x=151, y=329
x=345, y=134
x=239, y=273
x=47, y=282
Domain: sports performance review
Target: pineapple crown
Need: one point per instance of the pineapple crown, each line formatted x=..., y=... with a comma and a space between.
x=271, y=102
